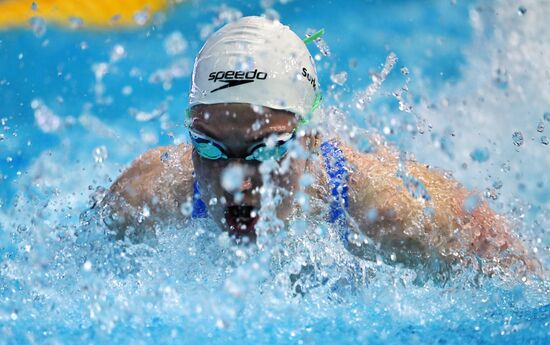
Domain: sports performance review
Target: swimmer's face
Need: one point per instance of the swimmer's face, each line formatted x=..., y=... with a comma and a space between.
x=238, y=128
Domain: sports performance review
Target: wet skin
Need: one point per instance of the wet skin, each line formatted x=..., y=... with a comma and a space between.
x=402, y=232
x=232, y=124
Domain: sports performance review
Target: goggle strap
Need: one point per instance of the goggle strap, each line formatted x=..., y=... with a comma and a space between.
x=314, y=106
x=313, y=37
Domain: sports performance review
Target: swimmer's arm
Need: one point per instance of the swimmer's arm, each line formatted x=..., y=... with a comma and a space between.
x=150, y=190
x=412, y=230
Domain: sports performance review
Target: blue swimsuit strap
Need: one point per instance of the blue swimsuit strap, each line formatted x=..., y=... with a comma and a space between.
x=338, y=178
x=199, y=207
x=335, y=165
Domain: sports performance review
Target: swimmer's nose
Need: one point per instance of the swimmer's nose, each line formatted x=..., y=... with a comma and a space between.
x=246, y=185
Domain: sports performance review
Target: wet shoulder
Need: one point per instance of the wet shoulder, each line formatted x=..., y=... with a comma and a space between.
x=157, y=171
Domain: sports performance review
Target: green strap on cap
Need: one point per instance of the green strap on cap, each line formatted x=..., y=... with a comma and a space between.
x=314, y=106
x=314, y=36
x=318, y=97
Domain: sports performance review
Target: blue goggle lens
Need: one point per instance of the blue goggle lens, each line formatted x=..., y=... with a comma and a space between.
x=277, y=152
x=209, y=151
x=205, y=147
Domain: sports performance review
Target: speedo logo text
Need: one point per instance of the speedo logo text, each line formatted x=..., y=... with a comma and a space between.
x=235, y=78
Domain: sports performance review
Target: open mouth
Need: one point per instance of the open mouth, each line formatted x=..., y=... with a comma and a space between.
x=241, y=220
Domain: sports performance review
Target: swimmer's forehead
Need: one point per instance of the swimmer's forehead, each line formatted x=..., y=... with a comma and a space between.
x=249, y=122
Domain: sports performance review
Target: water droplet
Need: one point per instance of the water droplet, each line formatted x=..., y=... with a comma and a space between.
x=38, y=26
x=256, y=125
x=501, y=78
x=146, y=212
x=505, y=167
x=258, y=109
x=497, y=184
x=522, y=10
x=372, y=215
x=471, y=203
x=232, y=178
x=272, y=15
x=221, y=324
x=100, y=154
x=175, y=43
x=238, y=197
x=100, y=70
x=480, y=155
x=76, y=22
x=13, y=316
x=491, y=193
x=306, y=180
x=267, y=3
x=428, y=212
x=127, y=90
x=117, y=53
x=517, y=138
x=186, y=208
x=544, y=140
x=83, y=45
x=303, y=200
x=403, y=106
x=87, y=266
x=339, y=78
x=141, y=17
x=540, y=127
x=415, y=187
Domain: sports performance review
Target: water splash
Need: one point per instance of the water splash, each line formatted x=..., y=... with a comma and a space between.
x=339, y=78
x=320, y=43
x=363, y=98
x=45, y=118
x=178, y=69
x=100, y=154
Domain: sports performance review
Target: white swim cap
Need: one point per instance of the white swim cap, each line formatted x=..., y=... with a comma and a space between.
x=258, y=61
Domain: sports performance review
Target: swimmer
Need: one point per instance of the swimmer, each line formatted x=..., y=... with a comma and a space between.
x=255, y=100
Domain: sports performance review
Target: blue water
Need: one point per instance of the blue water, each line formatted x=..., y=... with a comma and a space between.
x=476, y=73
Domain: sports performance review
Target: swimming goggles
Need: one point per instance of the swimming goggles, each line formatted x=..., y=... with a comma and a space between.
x=211, y=149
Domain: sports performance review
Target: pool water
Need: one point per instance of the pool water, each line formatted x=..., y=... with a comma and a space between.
x=462, y=85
